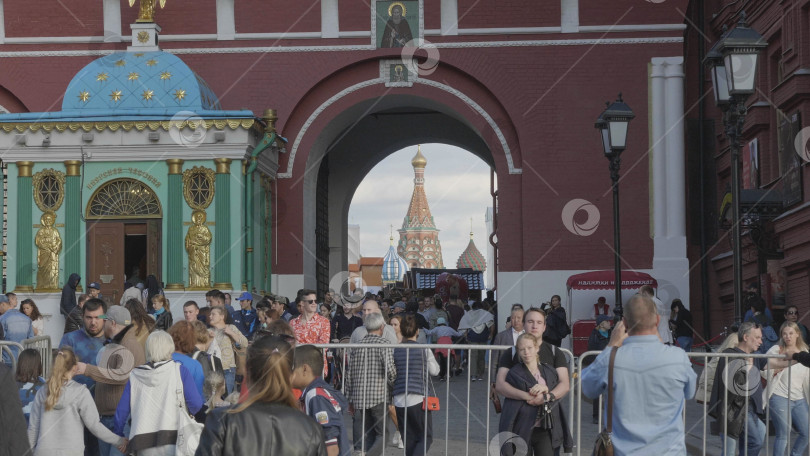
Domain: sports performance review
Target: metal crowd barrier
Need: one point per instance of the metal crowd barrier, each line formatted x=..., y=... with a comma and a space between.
x=7, y=354
x=43, y=345
x=455, y=400
x=699, y=437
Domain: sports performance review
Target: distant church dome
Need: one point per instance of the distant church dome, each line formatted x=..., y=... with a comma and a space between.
x=394, y=266
x=419, y=160
x=472, y=258
x=144, y=81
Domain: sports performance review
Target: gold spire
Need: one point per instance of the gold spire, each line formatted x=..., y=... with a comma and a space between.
x=471, y=228
x=419, y=160
x=391, y=236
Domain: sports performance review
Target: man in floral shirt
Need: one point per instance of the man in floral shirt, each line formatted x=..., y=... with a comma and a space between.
x=310, y=327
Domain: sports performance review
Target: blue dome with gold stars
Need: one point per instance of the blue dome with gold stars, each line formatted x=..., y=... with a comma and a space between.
x=140, y=81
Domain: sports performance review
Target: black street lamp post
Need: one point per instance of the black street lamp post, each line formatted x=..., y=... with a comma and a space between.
x=733, y=61
x=613, y=124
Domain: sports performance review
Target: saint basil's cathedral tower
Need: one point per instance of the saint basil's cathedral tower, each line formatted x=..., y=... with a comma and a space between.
x=419, y=237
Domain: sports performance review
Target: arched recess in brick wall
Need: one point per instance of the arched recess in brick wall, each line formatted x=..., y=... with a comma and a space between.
x=10, y=102
x=359, y=123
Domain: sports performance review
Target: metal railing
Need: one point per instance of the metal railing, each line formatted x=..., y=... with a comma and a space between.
x=699, y=437
x=466, y=422
x=43, y=345
x=8, y=355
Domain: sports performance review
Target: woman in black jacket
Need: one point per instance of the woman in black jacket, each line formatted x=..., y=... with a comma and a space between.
x=680, y=321
x=268, y=421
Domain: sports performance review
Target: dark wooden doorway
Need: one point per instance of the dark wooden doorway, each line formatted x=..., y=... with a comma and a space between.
x=118, y=251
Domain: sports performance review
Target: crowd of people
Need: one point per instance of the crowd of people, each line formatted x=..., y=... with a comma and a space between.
x=126, y=376
x=127, y=379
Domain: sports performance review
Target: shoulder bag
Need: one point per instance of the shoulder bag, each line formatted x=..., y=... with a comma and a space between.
x=188, y=430
x=604, y=444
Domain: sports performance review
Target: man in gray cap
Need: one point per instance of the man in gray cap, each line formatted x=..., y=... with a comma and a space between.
x=120, y=355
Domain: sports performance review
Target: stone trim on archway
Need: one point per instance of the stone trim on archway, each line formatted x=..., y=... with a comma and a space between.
x=371, y=82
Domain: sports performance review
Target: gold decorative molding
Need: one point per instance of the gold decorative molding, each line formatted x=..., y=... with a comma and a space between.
x=175, y=165
x=24, y=168
x=198, y=186
x=152, y=125
x=223, y=286
x=23, y=289
x=73, y=167
x=175, y=287
x=49, y=189
x=223, y=165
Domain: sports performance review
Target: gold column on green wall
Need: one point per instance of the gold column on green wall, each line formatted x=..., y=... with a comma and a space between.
x=73, y=213
x=174, y=226
x=222, y=232
x=25, y=230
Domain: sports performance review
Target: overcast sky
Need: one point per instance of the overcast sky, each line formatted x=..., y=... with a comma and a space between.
x=457, y=188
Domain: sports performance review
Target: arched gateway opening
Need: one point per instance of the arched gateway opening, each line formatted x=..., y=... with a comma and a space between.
x=349, y=147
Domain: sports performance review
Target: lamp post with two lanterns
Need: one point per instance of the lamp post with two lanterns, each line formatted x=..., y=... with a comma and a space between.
x=733, y=64
x=613, y=124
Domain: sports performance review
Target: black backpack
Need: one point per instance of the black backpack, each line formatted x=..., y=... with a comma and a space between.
x=209, y=362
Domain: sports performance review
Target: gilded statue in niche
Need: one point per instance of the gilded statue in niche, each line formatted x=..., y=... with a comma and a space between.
x=198, y=246
x=49, y=244
x=147, y=9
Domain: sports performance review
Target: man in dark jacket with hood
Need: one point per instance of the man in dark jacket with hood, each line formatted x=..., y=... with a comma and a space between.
x=68, y=300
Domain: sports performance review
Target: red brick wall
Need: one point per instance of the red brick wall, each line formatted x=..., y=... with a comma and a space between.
x=276, y=16
x=507, y=13
x=70, y=18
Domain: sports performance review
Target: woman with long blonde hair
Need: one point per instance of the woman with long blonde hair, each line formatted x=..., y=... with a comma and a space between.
x=268, y=421
x=787, y=392
x=62, y=409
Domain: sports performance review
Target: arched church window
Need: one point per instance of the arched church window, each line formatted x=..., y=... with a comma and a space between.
x=49, y=189
x=124, y=198
x=198, y=187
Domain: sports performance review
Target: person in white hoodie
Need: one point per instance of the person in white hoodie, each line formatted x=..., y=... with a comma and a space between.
x=60, y=411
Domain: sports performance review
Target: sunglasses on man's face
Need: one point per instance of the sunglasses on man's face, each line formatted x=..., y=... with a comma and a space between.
x=308, y=301
x=791, y=312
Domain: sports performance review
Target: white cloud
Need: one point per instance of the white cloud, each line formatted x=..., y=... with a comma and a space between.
x=457, y=186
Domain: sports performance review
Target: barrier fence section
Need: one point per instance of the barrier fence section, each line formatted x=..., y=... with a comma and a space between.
x=741, y=378
x=461, y=403
x=7, y=354
x=43, y=345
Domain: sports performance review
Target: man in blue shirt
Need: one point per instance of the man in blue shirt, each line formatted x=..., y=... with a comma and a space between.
x=246, y=319
x=651, y=381
x=88, y=341
x=320, y=401
x=16, y=326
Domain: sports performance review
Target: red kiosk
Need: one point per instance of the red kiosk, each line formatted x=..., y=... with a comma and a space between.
x=584, y=291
